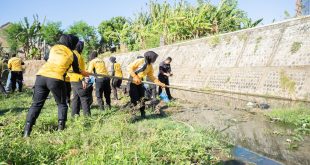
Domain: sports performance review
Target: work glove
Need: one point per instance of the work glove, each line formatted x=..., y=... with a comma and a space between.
x=136, y=80
x=157, y=82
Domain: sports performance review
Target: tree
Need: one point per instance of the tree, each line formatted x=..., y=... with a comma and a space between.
x=86, y=33
x=27, y=37
x=11, y=32
x=111, y=31
x=51, y=32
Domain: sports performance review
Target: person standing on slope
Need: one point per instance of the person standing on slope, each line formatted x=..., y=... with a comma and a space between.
x=15, y=66
x=103, y=87
x=164, y=74
x=51, y=78
x=116, y=70
x=79, y=85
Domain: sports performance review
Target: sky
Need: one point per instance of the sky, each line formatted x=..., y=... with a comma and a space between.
x=94, y=11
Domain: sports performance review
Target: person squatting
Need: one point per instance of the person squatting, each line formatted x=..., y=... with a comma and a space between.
x=65, y=71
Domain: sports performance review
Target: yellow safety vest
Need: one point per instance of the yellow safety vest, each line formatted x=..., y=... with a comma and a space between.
x=97, y=65
x=76, y=77
x=15, y=64
x=59, y=61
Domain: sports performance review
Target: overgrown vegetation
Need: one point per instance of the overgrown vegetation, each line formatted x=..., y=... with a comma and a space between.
x=215, y=40
x=296, y=117
x=295, y=47
x=287, y=83
x=105, y=138
x=167, y=22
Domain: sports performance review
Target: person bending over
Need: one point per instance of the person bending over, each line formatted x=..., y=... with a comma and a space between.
x=139, y=69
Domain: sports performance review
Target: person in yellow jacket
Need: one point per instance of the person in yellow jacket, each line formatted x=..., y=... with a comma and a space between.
x=79, y=85
x=139, y=69
x=15, y=66
x=103, y=87
x=50, y=77
x=116, y=70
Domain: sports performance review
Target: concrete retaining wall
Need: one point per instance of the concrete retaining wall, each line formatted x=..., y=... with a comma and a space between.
x=270, y=60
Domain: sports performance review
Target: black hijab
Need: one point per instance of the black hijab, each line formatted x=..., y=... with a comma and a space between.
x=113, y=59
x=68, y=40
x=150, y=57
x=92, y=56
x=79, y=46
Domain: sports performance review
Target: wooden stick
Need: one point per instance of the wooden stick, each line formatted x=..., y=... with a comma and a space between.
x=209, y=91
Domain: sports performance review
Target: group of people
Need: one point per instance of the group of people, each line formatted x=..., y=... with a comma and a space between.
x=65, y=71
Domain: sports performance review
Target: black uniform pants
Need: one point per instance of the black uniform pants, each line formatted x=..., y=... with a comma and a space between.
x=68, y=92
x=164, y=80
x=81, y=97
x=42, y=87
x=17, y=77
x=136, y=94
x=2, y=88
x=116, y=83
x=103, y=87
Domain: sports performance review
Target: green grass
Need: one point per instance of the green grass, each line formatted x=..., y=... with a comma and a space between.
x=296, y=116
x=105, y=138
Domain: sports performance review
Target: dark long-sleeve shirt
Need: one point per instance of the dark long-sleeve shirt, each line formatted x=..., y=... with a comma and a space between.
x=164, y=68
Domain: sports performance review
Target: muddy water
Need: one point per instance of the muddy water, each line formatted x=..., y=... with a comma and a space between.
x=247, y=128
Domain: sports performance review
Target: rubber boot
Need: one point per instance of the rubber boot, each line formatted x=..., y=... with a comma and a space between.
x=27, y=129
x=61, y=125
x=142, y=110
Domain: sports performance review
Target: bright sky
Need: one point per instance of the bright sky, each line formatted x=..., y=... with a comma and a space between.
x=94, y=11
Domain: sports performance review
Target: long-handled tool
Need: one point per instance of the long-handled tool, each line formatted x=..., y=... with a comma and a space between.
x=209, y=92
x=151, y=83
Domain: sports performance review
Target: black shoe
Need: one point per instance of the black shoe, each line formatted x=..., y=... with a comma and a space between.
x=27, y=130
x=61, y=125
x=143, y=115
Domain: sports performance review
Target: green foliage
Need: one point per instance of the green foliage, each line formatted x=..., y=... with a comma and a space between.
x=26, y=36
x=105, y=138
x=171, y=22
x=295, y=47
x=182, y=21
x=86, y=33
x=111, y=31
x=215, y=40
x=287, y=83
x=12, y=32
x=297, y=117
x=51, y=32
